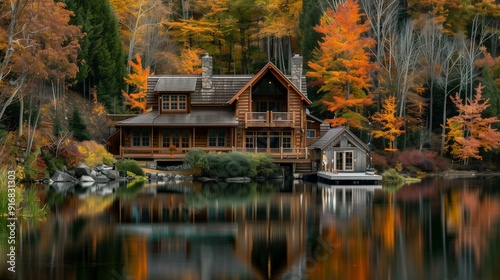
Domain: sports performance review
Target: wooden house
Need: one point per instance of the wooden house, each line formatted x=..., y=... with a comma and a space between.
x=261, y=113
x=339, y=150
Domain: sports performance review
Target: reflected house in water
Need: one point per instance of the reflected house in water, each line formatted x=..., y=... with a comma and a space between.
x=268, y=235
x=344, y=201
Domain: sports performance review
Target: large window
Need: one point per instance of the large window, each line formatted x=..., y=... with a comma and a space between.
x=173, y=102
x=216, y=137
x=176, y=137
x=273, y=140
x=140, y=137
x=343, y=161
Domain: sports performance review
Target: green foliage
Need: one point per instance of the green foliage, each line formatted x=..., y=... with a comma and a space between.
x=35, y=167
x=129, y=165
x=392, y=176
x=198, y=159
x=229, y=164
x=103, y=60
x=78, y=127
x=53, y=164
x=263, y=164
x=57, y=128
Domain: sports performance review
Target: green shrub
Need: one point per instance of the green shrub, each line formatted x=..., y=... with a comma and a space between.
x=198, y=159
x=263, y=164
x=229, y=164
x=392, y=176
x=129, y=165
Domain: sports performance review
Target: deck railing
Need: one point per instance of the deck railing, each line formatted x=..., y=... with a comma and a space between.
x=179, y=153
x=269, y=119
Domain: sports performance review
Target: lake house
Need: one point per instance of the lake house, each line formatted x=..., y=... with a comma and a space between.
x=261, y=113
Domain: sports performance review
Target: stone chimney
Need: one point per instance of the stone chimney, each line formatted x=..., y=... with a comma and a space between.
x=297, y=62
x=206, y=72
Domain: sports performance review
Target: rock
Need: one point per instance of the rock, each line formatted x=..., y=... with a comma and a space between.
x=63, y=177
x=102, y=178
x=111, y=174
x=82, y=169
x=70, y=172
x=86, y=178
x=178, y=177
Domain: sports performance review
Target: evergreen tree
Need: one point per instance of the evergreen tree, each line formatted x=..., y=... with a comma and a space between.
x=57, y=127
x=103, y=60
x=78, y=127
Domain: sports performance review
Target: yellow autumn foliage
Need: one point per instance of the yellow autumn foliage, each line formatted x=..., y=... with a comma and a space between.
x=95, y=154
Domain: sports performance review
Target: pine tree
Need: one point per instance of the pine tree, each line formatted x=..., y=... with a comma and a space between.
x=103, y=60
x=77, y=126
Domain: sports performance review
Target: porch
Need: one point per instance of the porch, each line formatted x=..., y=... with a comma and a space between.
x=179, y=153
x=269, y=119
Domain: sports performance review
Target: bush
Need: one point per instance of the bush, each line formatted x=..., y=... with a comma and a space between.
x=263, y=164
x=230, y=165
x=423, y=160
x=129, y=165
x=95, y=154
x=198, y=159
x=392, y=176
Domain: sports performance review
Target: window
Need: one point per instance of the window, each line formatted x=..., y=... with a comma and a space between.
x=311, y=133
x=140, y=137
x=268, y=140
x=173, y=102
x=344, y=161
x=176, y=137
x=216, y=137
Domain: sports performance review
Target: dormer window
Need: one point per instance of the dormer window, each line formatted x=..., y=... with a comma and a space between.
x=174, y=103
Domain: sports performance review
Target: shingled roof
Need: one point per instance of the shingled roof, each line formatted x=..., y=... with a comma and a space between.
x=333, y=135
x=207, y=116
x=224, y=87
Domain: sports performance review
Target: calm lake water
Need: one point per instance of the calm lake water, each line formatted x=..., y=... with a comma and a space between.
x=436, y=229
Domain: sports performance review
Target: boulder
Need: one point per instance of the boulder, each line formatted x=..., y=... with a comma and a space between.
x=86, y=178
x=111, y=174
x=60, y=176
x=82, y=169
x=102, y=178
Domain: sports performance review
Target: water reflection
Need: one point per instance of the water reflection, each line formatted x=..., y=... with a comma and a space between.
x=436, y=229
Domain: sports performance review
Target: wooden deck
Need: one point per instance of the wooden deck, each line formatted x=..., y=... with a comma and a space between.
x=269, y=119
x=348, y=178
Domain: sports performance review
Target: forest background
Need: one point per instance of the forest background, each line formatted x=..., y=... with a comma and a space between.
x=421, y=77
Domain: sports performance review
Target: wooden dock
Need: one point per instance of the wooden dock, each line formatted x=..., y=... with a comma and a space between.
x=349, y=178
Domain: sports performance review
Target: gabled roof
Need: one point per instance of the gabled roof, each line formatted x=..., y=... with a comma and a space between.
x=224, y=87
x=334, y=135
x=212, y=116
x=270, y=67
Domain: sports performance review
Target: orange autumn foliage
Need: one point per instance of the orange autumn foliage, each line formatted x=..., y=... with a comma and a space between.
x=390, y=124
x=469, y=131
x=139, y=79
x=341, y=64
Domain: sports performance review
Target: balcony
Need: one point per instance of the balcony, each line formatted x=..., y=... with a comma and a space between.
x=269, y=119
